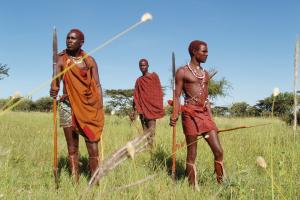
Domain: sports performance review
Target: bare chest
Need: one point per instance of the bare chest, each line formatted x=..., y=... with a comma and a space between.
x=191, y=78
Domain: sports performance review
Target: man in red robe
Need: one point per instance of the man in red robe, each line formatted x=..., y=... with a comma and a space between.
x=82, y=102
x=192, y=80
x=148, y=98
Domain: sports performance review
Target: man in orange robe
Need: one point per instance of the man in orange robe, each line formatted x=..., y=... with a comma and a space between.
x=148, y=98
x=82, y=102
x=192, y=80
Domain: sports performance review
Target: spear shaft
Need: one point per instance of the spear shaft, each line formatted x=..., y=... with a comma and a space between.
x=183, y=143
x=174, y=127
x=55, y=161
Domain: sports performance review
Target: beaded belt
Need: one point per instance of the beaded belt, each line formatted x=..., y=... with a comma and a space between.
x=195, y=101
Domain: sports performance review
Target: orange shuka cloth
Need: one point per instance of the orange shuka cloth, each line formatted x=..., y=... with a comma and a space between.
x=148, y=96
x=84, y=97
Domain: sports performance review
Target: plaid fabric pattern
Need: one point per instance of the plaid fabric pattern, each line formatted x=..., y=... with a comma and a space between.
x=148, y=96
x=65, y=114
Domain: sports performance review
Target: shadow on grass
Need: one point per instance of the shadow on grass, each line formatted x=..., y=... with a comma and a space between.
x=83, y=166
x=161, y=160
x=62, y=164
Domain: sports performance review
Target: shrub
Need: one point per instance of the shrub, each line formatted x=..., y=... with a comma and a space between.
x=44, y=104
x=25, y=105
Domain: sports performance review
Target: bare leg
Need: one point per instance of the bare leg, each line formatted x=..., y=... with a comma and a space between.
x=148, y=124
x=94, y=160
x=151, y=125
x=215, y=146
x=143, y=122
x=72, y=139
x=190, y=172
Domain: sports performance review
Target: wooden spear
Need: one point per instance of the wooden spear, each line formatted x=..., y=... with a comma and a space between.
x=183, y=143
x=173, y=115
x=54, y=82
x=296, y=61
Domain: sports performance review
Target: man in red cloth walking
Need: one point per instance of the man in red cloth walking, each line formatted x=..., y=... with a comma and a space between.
x=82, y=102
x=192, y=80
x=148, y=99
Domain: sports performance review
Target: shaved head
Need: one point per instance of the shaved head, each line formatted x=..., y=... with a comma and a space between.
x=143, y=64
x=143, y=60
x=78, y=32
x=195, y=46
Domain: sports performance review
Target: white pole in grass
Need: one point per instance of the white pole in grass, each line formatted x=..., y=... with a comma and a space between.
x=274, y=95
x=296, y=62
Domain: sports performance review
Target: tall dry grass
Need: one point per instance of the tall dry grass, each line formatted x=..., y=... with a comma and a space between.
x=26, y=153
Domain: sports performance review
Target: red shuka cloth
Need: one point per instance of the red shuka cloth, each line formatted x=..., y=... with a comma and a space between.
x=196, y=120
x=148, y=96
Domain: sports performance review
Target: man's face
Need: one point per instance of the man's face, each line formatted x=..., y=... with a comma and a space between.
x=143, y=66
x=73, y=41
x=201, y=54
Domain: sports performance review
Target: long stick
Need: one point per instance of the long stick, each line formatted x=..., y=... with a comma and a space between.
x=296, y=58
x=174, y=127
x=102, y=148
x=139, y=182
x=55, y=162
x=139, y=143
x=183, y=143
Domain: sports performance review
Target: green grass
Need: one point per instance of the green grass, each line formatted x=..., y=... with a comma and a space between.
x=26, y=162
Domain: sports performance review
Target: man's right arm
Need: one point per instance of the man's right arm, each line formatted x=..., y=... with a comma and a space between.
x=56, y=80
x=178, y=90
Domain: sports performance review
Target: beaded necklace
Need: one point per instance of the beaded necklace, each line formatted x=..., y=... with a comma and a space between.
x=77, y=60
x=195, y=73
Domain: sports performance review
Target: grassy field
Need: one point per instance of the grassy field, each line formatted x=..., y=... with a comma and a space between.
x=26, y=157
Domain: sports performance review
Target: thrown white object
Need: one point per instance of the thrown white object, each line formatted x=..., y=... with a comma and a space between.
x=276, y=92
x=146, y=17
x=206, y=136
x=260, y=161
x=130, y=149
x=4, y=152
x=113, y=112
x=16, y=95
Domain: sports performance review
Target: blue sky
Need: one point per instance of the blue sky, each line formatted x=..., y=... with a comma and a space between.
x=251, y=43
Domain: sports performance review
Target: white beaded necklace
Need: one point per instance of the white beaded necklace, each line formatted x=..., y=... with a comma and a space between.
x=77, y=60
x=195, y=73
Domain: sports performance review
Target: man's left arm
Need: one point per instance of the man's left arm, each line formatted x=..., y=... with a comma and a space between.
x=95, y=75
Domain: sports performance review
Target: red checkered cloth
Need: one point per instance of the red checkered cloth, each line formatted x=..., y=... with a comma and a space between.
x=195, y=119
x=148, y=96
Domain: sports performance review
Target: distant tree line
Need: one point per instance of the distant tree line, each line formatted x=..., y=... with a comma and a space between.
x=117, y=100
x=120, y=102
x=283, y=107
x=43, y=104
